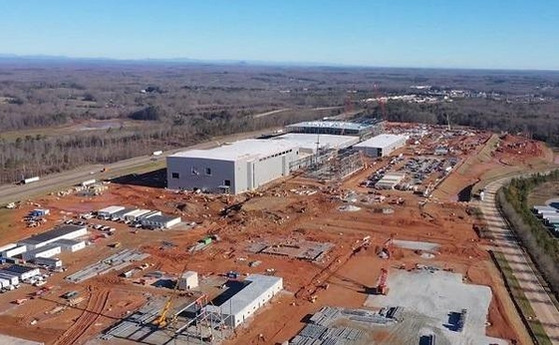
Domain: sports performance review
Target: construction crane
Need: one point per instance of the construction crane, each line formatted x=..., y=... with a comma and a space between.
x=163, y=320
x=381, y=287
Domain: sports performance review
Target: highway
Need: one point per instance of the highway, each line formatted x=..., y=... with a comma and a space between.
x=61, y=181
x=507, y=244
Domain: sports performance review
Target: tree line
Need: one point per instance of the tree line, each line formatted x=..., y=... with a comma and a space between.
x=542, y=246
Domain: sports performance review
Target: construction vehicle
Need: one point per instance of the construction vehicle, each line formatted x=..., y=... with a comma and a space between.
x=164, y=319
x=382, y=289
x=386, y=252
x=115, y=245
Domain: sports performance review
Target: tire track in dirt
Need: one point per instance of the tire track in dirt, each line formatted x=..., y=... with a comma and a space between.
x=95, y=306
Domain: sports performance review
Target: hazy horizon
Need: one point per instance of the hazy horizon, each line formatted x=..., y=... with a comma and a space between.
x=396, y=33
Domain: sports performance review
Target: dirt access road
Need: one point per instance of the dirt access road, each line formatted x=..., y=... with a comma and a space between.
x=507, y=244
x=13, y=193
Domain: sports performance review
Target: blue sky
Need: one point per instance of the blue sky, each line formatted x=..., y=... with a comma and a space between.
x=505, y=34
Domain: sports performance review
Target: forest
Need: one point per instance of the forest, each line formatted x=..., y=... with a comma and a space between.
x=57, y=115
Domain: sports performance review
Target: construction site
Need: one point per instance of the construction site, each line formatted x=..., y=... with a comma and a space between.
x=324, y=253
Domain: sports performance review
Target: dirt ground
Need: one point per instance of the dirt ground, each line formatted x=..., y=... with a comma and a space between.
x=294, y=208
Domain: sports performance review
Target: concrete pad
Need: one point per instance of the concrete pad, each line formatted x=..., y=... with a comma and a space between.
x=429, y=300
x=416, y=245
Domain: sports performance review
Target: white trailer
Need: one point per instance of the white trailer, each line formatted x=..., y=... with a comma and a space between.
x=88, y=182
x=14, y=280
x=4, y=283
x=14, y=251
x=157, y=153
x=30, y=180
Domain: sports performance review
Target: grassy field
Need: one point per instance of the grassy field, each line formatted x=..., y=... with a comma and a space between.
x=4, y=219
x=536, y=329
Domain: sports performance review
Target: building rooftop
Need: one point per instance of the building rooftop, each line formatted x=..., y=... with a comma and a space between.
x=67, y=242
x=257, y=285
x=7, y=247
x=57, y=232
x=161, y=218
x=19, y=269
x=243, y=149
x=382, y=140
x=331, y=124
x=326, y=141
x=111, y=209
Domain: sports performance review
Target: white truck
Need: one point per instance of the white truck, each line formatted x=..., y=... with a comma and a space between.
x=30, y=180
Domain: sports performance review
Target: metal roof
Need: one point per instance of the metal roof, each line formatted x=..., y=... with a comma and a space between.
x=331, y=124
x=20, y=269
x=244, y=149
x=258, y=285
x=381, y=141
x=55, y=233
x=310, y=141
x=160, y=219
x=111, y=209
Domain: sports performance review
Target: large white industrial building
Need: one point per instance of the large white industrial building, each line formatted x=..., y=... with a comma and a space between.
x=258, y=291
x=248, y=164
x=381, y=145
x=233, y=168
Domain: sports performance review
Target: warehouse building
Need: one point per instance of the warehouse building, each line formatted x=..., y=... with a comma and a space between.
x=71, y=245
x=311, y=143
x=42, y=252
x=23, y=272
x=67, y=232
x=108, y=212
x=233, y=168
x=258, y=290
x=331, y=127
x=13, y=251
x=160, y=222
x=381, y=145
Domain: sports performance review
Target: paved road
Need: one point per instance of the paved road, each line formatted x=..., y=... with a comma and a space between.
x=507, y=244
x=56, y=182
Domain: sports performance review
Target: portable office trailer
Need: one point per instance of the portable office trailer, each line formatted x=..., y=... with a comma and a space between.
x=136, y=214
x=49, y=262
x=7, y=247
x=150, y=214
x=13, y=279
x=42, y=252
x=109, y=211
x=71, y=245
x=23, y=272
x=163, y=222
x=4, y=283
x=14, y=251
